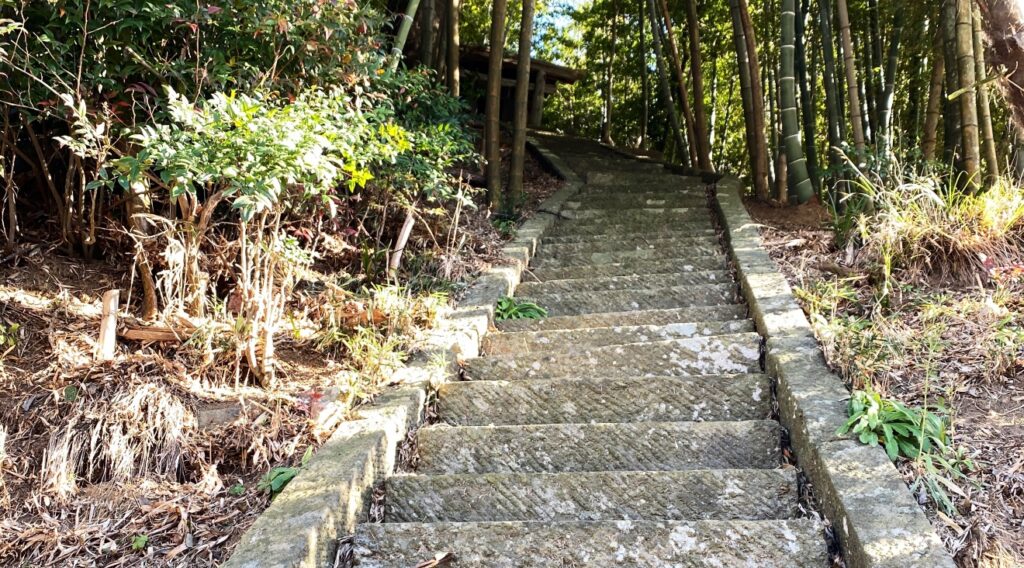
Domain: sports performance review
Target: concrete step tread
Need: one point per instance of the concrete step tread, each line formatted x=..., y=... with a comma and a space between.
x=618, y=228
x=719, y=354
x=605, y=400
x=729, y=312
x=635, y=236
x=588, y=302
x=795, y=543
x=631, y=446
x=624, y=283
x=628, y=267
x=551, y=259
x=630, y=244
x=564, y=340
x=721, y=494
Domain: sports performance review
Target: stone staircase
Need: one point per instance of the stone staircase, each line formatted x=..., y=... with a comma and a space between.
x=632, y=427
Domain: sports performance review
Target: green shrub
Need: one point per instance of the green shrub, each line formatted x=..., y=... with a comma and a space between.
x=511, y=309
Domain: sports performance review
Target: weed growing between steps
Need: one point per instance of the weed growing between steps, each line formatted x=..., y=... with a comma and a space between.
x=513, y=309
x=938, y=344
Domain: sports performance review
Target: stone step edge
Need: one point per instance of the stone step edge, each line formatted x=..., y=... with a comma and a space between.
x=876, y=517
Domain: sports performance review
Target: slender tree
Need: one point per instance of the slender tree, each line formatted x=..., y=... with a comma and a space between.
x=514, y=191
x=801, y=188
x=1004, y=25
x=888, y=93
x=666, y=89
x=932, y=113
x=427, y=32
x=454, y=47
x=950, y=107
x=829, y=78
x=756, y=93
x=703, y=140
x=753, y=126
x=850, y=64
x=969, y=131
x=645, y=82
x=806, y=110
x=676, y=65
x=403, y=33
x=494, y=65
x=609, y=86
x=988, y=139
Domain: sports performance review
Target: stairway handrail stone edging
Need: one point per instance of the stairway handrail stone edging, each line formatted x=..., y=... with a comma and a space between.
x=331, y=494
x=875, y=516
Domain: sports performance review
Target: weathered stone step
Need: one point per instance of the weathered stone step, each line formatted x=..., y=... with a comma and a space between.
x=638, y=237
x=638, y=216
x=616, y=229
x=639, y=179
x=604, y=245
x=603, y=201
x=635, y=446
x=718, y=354
x=589, y=302
x=572, y=339
x=743, y=494
x=792, y=543
x=606, y=400
x=641, y=317
x=631, y=267
x=546, y=259
x=635, y=282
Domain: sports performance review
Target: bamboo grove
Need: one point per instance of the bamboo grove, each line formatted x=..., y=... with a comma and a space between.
x=801, y=96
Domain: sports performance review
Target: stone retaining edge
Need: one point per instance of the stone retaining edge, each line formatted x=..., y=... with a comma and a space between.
x=326, y=500
x=876, y=518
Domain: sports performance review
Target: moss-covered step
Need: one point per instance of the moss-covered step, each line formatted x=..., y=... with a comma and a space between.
x=588, y=302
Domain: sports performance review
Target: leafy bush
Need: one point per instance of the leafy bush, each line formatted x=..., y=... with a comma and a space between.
x=512, y=309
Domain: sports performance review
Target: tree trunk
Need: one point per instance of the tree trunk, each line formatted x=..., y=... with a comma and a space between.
x=454, y=45
x=984, y=108
x=1004, y=25
x=754, y=128
x=931, y=116
x=536, y=117
x=427, y=33
x=807, y=110
x=609, y=95
x=757, y=95
x=666, y=89
x=968, y=95
x=801, y=188
x=703, y=139
x=885, y=100
x=494, y=66
x=829, y=78
x=403, y=33
x=677, y=72
x=875, y=75
x=645, y=85
x=951, y=108
x=514, y=191
x=850, y=63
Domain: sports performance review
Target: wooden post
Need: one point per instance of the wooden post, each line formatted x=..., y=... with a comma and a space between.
x=537, y=100
x=108, y=325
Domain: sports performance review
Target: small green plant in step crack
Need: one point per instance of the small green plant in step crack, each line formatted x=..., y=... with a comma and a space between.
x=507, y=227
x=276, y=479
x=511, y=309
x=918, y=434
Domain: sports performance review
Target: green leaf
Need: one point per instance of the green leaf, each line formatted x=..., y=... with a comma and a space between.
x=139, y=542
x=71, y=393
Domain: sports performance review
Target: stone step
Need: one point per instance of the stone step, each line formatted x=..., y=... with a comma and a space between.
x=743, y=494
x=616, y=229
x=639, y=237
x=635, y=282
x=634, y=446
x=792, y=543
x=545, y=259
x=631, y=267
x=602, y=201
x=640, y=317
x=626, y=300
x=565, y=340
x=639, y=216
x=605, y=400
x=719, y=354
x=640, y=179
x=604, y=245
